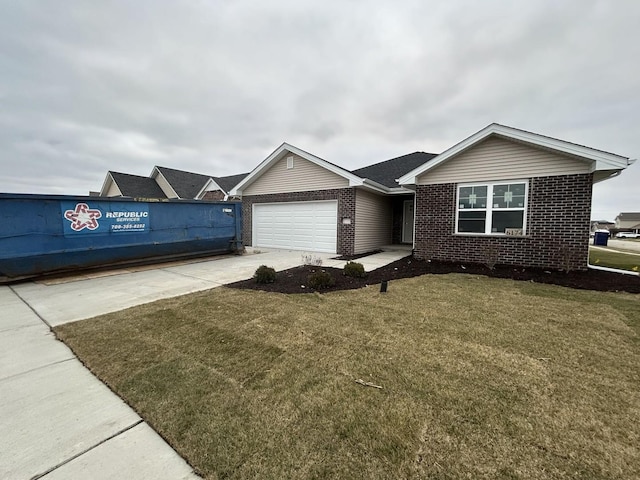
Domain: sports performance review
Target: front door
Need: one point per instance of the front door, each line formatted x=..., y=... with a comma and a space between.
x=407, y=222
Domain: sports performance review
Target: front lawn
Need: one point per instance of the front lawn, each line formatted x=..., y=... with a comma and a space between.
x=615, y=259
x=481, y=378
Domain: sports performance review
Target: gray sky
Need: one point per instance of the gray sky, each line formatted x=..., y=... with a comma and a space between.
x=214, y=87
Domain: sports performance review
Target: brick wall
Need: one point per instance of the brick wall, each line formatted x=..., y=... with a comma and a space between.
x=214, y=195
x=346, y=198
x=557, y=237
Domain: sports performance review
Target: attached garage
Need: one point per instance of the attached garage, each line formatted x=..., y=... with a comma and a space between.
x=311, y=226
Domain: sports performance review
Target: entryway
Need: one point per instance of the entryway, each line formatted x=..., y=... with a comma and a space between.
x=407, y=221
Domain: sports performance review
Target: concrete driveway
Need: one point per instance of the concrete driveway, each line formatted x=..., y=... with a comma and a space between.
x=58, y=421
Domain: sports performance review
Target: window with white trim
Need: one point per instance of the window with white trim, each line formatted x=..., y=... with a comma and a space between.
x=492, y=208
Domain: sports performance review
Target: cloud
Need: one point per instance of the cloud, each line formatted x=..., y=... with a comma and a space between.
x=214, y=87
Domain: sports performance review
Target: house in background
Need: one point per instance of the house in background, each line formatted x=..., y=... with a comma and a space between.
x=166, y=183
x=496, y=197
x=601, y=225
x=118, y=184
x=218, y=188
x=628, y=222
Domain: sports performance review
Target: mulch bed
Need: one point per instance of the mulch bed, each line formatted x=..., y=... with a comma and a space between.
x=295, y=280
x=355, y=257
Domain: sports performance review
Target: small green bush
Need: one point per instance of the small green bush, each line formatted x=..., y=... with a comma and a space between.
x=320, y=280
x=265, y=274
x=354, y=269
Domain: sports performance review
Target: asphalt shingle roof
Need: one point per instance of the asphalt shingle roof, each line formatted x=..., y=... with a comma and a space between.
x=186, y=184
x=386, y=172
x=227, y=183
x=136, y=186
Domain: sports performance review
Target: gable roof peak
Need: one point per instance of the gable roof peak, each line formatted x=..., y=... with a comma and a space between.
x=600, y=159
x=279, y=153
x=135, y=185
x=185, y=184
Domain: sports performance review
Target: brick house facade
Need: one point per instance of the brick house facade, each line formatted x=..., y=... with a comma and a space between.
x=558, y=200
x=549, y=228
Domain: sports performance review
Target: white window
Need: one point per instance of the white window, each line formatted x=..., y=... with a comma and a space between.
x=492, y=208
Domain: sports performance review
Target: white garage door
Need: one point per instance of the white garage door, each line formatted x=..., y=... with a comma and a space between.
x=308, y=226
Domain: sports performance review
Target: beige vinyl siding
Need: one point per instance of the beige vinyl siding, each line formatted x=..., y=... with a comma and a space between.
x=500, y=159
x=113, y=190
x=164, y=185
x=627, y=224
x=304, y=176
x=372, y=222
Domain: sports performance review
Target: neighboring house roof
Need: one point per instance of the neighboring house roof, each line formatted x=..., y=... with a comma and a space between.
x=136, y=186
x=386, y=173
x=227, y=183
x=179, y=184
x=187, y=185
x=601, y=161
x=628, y=220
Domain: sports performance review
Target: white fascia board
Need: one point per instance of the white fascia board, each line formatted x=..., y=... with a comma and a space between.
x=602, y=160
x=107, y=183
x=401, y=191
x=378, y=187
x=155, y=173
x=205, y=188
x=108, y=180
x=374, y=186
x=279, y=153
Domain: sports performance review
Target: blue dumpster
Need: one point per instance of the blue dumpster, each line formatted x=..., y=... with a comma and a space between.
x=49, y=233
x=601, y=238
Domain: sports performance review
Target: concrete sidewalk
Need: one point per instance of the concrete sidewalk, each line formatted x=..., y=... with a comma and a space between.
x=58, y=421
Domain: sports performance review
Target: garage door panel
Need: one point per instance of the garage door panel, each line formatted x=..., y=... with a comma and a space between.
x=296, y=225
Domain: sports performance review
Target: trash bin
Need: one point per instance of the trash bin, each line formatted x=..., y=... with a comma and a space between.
x=601, y=238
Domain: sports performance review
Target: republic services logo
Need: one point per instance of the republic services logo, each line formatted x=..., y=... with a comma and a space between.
x=83, y=217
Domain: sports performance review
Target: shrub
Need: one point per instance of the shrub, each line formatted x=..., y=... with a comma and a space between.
x=354, y=269
x=320, y=280
x=265, y=274
x=491, y=254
